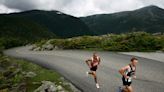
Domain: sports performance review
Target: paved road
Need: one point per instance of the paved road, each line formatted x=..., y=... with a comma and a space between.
x=70, y=63
x=159, y=56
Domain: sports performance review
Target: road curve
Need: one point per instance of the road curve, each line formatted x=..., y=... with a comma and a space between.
x=70, y=63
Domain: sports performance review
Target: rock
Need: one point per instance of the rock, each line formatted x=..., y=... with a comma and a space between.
x=42, y=49
x=59, y=88
x=56, y=47
x=74, y=88
x=30, y=74
x=46, y=86
x=37, y=49
x=52, y=88
x=66, y=83
x=47, y=47
x=33, y=47
x=49, y=41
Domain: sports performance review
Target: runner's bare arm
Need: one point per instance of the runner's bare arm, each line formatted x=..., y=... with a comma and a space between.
x=134, y=76
x=99, y=60
x=88, y=62
x=122, y=70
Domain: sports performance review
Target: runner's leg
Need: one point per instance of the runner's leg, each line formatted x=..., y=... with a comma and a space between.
x=91, y=73
x=130, y=89
x=125, y=89
x=94, y=75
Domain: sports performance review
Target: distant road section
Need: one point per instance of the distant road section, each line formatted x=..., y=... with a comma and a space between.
x=159, y=56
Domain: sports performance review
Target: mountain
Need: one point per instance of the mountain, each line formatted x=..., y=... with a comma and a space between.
x=61, y=24
x=149, y=19
x=38, y=24
x=22, y=28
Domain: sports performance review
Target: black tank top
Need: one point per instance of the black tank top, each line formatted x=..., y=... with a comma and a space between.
x=131, y=72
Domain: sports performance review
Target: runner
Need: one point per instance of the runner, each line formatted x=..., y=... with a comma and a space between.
x=128, y=72
x=93, y=63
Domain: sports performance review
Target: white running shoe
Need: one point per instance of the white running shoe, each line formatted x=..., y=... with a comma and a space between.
x=87, y=73
x=97, y=85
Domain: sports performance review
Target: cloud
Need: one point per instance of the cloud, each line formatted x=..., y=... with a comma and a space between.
x=4, y=9
x=159, y=3
x=82, y=8
x=77, y=7
x=118, y=5
x=36, y=4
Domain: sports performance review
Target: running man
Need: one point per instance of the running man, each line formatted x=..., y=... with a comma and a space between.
x=128, y=73
x=93, y=63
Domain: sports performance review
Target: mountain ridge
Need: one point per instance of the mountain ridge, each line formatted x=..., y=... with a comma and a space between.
x=149, y=19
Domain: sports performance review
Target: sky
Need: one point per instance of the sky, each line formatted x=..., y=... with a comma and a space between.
x=77, y=8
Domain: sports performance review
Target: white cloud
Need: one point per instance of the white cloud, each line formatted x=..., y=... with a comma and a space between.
x=77, y=7
x=160, y=3
x=118, y=5
x=4, y=9
x=82, y=8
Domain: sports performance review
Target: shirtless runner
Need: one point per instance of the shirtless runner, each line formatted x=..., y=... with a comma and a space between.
x=93, y=63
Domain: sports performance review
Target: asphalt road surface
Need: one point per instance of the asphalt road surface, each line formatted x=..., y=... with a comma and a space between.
x=71, y=64
x=159, y=56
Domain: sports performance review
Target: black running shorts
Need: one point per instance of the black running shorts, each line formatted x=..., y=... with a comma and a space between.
x=126, y=83
x=94, y=68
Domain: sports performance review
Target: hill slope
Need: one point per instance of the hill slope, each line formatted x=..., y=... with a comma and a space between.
x=19, y=27
x=38, y=24
x=149, y=19
x=60, y=24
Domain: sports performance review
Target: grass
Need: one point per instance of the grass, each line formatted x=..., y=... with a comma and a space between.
x=134, y=41
x=42, y=74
